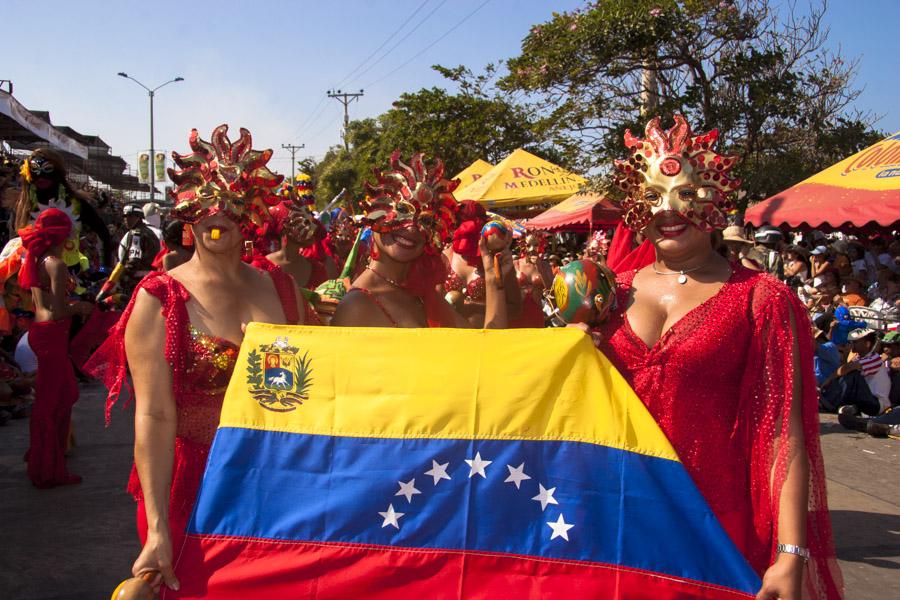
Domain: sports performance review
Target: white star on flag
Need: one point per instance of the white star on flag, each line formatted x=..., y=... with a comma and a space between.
x=545, y=497
x=408, y=489
x=391, y=517
x=437, y=471
x=516, y=475
x=560, y=528
x=477, y=465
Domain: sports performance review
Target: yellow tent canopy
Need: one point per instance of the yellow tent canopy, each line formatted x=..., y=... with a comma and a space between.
x=520, y=179
x=473, y=172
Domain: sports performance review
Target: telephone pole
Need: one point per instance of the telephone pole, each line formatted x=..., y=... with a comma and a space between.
x=293, y=150
x=345, y=98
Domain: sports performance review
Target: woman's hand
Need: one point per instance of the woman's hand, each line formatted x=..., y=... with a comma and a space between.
x=784, y=579
x=505, y=261
x=157, y=556
x=596, y=336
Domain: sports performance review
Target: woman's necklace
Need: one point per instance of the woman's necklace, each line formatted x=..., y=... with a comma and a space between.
x=682, y=275
x=385, y=277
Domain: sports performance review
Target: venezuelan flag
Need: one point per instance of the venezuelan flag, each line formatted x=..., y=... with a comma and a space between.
x=445, y=463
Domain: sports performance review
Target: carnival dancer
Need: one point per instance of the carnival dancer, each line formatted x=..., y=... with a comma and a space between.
x=411, y=210
x=45, y=185
x=56, y=389
x=179, y=336
x=722, y=357
x=465, y=284
x=297, y=228
x=535, y=277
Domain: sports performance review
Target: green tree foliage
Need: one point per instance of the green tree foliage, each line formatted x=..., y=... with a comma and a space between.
x=762, y=77
x=459, y=128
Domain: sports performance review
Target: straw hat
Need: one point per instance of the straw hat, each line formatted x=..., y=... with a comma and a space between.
x=735, y=233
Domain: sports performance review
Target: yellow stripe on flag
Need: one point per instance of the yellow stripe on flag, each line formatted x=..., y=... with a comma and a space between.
x=531, y=388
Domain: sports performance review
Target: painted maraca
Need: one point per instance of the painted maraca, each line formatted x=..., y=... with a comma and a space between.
x=584, y=292
x=496, y=234
x=136, y=588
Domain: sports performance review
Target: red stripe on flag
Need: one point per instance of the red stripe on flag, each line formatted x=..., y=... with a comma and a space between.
x=227, y=568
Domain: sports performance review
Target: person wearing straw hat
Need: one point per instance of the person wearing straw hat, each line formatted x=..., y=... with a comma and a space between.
x=741, y=249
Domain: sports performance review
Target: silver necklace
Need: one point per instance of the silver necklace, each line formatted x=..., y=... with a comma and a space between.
x=682, y=275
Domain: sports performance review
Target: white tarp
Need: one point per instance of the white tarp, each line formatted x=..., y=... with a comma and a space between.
x=11, y=107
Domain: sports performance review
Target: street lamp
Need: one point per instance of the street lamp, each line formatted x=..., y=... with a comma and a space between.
x=151, y=93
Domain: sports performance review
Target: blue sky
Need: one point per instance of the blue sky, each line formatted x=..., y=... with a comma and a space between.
x=267, y=64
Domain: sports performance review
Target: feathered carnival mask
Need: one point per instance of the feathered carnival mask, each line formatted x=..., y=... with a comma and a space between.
x=675, y=171
x=224, y=177
x=411, y=195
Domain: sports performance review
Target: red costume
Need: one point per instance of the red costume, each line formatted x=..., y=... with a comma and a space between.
x=219, y=177
x=201, y=368
x=725, y=410
x=56, y=389
x=721, y=382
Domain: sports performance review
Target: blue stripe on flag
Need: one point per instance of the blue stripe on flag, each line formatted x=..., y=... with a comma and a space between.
x=624, y=508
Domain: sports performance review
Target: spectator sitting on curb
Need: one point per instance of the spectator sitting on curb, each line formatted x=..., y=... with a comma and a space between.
x=863, y=381
x=888, y=423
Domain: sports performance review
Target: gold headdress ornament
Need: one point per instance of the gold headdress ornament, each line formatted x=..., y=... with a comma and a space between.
x=672, y=170
x=222, y=176
x=412, y=194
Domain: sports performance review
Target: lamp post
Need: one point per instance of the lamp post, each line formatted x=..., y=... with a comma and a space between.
x=151, y=93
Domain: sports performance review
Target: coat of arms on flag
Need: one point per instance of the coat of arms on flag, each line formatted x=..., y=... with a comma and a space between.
x=277, y=377
x=447, y=463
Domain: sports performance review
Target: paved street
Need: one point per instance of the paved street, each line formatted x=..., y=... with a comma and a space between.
x=77, y=542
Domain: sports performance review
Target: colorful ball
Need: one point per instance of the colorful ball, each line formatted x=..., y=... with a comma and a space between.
x=584, y=292
x=496, y=233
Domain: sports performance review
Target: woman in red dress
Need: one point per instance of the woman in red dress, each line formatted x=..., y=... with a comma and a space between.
x=56, y=389
x=179, y=336
x=411, y=212
x=722, y=357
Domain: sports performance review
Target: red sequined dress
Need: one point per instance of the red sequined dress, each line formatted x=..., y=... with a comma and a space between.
x=201, y=368
x=720, y=384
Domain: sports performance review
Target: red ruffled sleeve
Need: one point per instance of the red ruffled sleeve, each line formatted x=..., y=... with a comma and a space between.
x=783, y=350
x=109, y=363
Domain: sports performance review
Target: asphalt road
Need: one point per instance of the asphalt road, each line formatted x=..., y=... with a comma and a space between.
x=78, y=542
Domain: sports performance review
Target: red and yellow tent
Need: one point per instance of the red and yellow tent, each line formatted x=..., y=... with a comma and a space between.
x=859, y=191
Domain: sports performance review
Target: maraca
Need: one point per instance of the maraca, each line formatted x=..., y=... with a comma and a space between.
x=136, y=588
x=584, y=292
x=496, y=235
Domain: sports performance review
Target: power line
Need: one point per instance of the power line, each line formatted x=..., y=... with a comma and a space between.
x=418, y=54
x=316, y=135
x=309, y=118
x=403, y=39
x=383, y=44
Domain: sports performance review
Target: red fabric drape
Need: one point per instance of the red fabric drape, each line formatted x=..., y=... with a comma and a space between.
x=56, y=391
x=622, y=257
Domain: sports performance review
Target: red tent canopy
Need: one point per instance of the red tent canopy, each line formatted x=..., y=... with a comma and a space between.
x=861, y=192
x=580, y=212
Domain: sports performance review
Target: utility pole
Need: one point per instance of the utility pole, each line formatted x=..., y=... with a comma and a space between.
x=293, y=150
x=345, y=98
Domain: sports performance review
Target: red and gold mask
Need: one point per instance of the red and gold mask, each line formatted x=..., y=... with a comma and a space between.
x=672, y=170
x=225, y=177
x=413, y=195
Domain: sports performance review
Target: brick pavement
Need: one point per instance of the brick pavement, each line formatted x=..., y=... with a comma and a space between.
x=77, y=542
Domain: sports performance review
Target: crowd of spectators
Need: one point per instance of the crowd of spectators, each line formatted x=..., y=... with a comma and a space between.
x=850, y=284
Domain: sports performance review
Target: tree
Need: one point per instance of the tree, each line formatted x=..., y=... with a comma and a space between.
x=779, y=99
x=459, y=128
